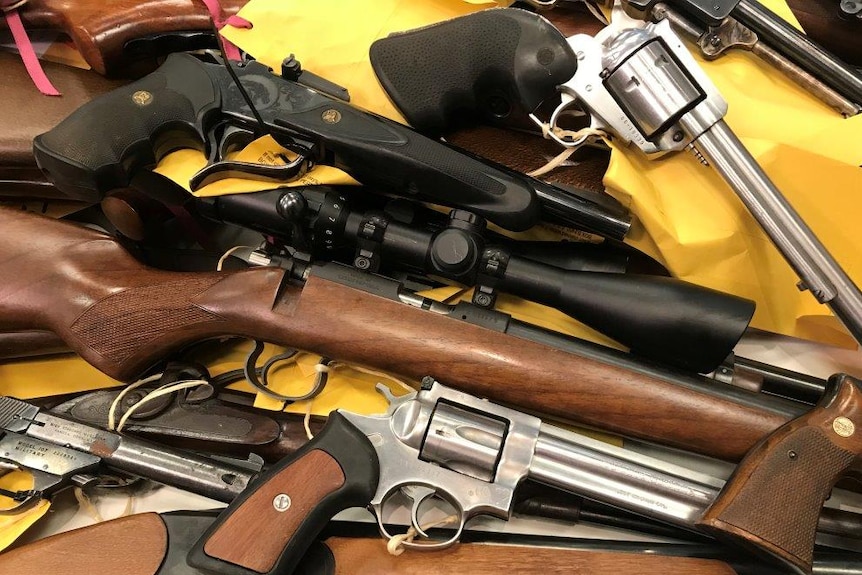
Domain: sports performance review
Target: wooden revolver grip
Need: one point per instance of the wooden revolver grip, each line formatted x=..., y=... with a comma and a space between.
x=100, y=30
x=133, y=545
x=773, y=500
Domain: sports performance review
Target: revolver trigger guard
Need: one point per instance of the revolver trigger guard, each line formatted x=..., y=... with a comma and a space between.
x=568, y=102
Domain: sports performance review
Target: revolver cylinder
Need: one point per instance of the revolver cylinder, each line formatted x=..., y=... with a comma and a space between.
x=464, y=441
x=651, y=87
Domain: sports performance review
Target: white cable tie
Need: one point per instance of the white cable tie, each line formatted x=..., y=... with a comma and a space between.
x=164, y=390
x=227, y=254
x=395, y=545
x=112, y=411
x=594, y=10
x=306, y=421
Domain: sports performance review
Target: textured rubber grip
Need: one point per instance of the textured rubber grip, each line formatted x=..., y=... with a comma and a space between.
x=773, y=500
x=101, y=145
x=498, y=65
x=270, y=526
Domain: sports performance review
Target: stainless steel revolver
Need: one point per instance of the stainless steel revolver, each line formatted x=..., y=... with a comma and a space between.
x=444, y=444
x=639, y=83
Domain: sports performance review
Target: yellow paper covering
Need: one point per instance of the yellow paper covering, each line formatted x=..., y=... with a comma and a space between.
x=690, y=220
x=13, y=526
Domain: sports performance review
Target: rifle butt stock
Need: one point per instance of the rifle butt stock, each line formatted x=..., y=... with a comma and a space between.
x=794, y=469
x=123, y=317
x=133, y=545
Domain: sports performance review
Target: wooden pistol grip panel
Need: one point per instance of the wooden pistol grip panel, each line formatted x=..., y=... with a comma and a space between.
x=100, y=30
x=271, y=525
x=357, y=556
x=773, y=500
x=133, y=545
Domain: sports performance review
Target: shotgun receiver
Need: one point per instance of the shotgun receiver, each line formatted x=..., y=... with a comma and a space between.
x=123, y=317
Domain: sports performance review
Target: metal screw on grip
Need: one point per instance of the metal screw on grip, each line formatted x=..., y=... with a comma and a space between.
x=281, y=502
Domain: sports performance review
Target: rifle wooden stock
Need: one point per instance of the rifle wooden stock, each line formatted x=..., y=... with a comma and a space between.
x=122, y=317
x=21, y=344
x=100, y=31
x=355, y=556
x=134, y=545
x=137, y=545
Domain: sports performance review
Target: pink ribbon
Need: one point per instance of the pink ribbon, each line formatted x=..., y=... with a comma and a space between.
x=28, y=54
x=217, y=15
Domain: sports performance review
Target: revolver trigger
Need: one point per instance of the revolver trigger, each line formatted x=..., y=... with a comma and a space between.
x=250, y=171
x=418, y=494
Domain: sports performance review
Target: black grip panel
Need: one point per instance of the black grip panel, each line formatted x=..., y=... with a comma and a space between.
x=269, y=528
x=100, y=146
x=498, y=65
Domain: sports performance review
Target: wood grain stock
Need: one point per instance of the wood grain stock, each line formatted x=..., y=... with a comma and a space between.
x=101, y=29
x=134, y=545
x=21, y=344
x=774, y=498
x=355, y=556
x=122, y=317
